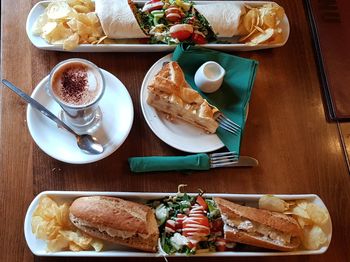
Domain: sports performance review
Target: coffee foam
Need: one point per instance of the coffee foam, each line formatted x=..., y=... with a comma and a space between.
x=76, y=83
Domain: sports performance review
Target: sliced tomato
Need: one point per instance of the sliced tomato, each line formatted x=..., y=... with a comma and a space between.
x=216, y=225
x=179, y=221
x=170, y=226
x=173, y=14
x=152, y=5
x=203, y=220
x=181, y=31
x=198, y=38
x=200, y=200
x=195, y=233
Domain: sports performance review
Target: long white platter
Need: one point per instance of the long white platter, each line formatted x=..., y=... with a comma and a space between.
x=38, y=247
x=129, y=46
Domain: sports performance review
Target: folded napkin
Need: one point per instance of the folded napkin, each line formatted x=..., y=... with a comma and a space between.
x=168, y=163
x=233, y=96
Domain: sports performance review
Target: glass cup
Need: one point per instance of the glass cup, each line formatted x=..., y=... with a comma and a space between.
x=77, y=85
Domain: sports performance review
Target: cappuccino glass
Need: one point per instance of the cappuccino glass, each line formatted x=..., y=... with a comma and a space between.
x=77, y=85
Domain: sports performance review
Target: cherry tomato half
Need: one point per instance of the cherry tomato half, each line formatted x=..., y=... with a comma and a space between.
x=198, y=38
x=200, y=200
x=152, y=5
x=181, y=31
x=173, y=14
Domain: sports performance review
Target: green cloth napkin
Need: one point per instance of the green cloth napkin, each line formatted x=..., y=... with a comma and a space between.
x=167, y=163
x=233, y=96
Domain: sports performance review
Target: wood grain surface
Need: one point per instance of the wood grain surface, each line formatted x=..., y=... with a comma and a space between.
x=298, y=150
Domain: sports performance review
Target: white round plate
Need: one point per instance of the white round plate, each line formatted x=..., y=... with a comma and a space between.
x=117, y=118
x=175, y=133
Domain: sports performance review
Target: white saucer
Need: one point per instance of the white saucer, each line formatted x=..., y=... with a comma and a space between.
x=117, y=118
x=175, y=133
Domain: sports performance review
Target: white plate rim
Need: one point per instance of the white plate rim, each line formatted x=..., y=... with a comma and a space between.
x=91, y=158
x=152, y=195
x=42, y=44
x=165, y=137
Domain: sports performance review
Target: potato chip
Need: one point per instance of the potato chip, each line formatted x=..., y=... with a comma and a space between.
x=71, y=42
x=39, y=23
x=62, y=215
x=73, y=24
x=272, y=203
x=58, y=244
x=58, y=10
x=66, y=20
x=46, y=208
x=39, y=226
x=243, y=39
x=83, y=30
x=77, y=237
x=73, y=2
x=314, y=238
x=251, y=19
x=74, y=247
x=301, y=212
x=93, y=18
x=262, y=37
x=301, y=203
x=303, y=222
x=264, y=22
x=59, y=34
x=81, y=9
x=317, y=214
x=85, y=19
x=97, y=245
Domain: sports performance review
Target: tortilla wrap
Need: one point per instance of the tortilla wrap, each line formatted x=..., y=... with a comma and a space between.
x=117, y=19
x=224, y=18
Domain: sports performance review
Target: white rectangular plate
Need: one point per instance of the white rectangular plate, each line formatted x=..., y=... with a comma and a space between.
x=129, y=46
x=38, y=247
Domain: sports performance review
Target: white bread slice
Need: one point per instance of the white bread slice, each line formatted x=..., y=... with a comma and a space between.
x=116, y=220
x=265, y=229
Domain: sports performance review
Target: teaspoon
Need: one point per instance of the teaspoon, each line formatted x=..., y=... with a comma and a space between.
x=87, y=143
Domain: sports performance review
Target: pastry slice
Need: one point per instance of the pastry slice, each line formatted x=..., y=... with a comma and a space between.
x=171, y=94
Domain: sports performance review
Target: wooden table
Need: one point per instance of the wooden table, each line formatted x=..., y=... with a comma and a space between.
x=298, y=150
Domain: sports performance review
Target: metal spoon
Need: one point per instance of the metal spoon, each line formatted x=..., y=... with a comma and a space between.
x=87, y=143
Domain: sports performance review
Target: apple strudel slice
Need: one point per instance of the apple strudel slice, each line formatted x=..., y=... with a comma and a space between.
x=169, y=93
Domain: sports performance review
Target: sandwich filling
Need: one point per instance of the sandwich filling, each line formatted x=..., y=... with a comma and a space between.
x=257, y=230
x=111, y=232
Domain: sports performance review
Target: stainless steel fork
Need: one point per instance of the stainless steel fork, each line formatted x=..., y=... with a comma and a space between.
x=223, y=159
x=227, y=123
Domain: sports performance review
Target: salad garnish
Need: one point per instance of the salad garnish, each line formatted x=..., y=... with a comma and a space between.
x=189, y=224
x=174, y=21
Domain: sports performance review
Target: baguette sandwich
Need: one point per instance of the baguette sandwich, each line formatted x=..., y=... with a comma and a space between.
x=116, y=220
x=258, y=227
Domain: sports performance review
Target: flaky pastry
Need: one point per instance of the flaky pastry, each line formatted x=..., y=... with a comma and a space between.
x=169, y=92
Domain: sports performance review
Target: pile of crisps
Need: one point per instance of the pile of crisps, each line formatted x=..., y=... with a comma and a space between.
x=311, y=218
x=69, y=23
x=51, y=222
x=262, y=24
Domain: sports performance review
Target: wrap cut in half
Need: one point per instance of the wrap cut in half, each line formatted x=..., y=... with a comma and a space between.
x=224, y=18
x=118, y=20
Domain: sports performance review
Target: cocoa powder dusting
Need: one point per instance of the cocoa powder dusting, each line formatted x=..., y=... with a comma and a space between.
x=74, y=82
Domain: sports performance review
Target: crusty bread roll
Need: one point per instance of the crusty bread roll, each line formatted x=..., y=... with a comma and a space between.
x=258, y=227
x=116, y=220
x=169, y=92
